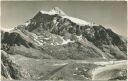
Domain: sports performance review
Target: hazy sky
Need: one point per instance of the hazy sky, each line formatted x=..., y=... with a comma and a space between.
x=109, y=14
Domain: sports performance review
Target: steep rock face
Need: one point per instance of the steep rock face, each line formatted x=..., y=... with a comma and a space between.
x=9, y=69
x=10, y=40
x=108, y=42
x=14, y=39
x=17, y=42
x=118, y=41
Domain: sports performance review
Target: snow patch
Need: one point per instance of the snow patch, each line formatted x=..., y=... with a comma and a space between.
x=52, y=44
x=66, y=41
x=50, y=13
x=7, y=29
x=76, y=68
x=27, y=23
x=74, y=74
x=85, y=69
x=63, y=42
x=36, y=39
x=77, y=21
x=60, y=64
x=79, y=37
x=46, y=38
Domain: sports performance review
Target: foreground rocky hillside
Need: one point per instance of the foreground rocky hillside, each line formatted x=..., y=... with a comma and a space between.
x=58, y=37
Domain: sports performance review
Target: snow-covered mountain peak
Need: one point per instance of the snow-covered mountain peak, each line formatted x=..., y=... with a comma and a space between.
x=54, y=11
x=58, y=11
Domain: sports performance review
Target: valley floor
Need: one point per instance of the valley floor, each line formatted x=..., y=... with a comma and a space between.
x=53, y=69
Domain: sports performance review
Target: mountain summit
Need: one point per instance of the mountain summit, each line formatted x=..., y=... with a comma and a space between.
x=58, y=10
x=53, y=11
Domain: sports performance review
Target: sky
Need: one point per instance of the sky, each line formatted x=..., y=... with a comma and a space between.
x=110, y=14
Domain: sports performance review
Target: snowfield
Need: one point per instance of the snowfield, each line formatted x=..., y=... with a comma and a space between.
x=77, y=21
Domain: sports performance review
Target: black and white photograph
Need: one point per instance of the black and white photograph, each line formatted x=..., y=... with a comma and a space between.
x=63, y=40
